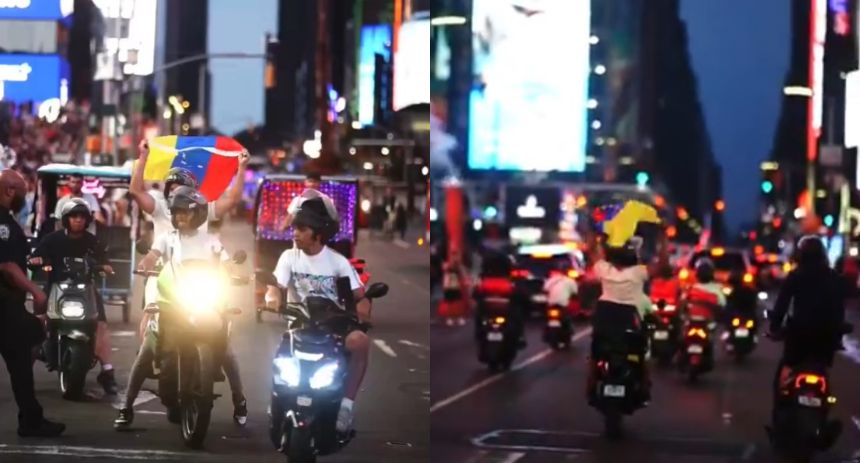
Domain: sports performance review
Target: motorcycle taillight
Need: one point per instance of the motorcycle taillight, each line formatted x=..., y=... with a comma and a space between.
x=810, y=380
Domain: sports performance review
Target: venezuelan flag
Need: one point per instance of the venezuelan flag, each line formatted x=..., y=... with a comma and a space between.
x=619, y=222
x=213, y=160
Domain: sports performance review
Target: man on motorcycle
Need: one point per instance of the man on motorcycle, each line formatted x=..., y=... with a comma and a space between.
x=813, y=330
x=311, y=269
x=705, y=299
x=496, y=282
x=76, y=242
x=664, y=286
x=559, y=289
x=188, y=212
x=623, y=302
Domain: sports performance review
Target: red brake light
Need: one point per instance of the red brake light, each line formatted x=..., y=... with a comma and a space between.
x=554, y=313
x=811, y=379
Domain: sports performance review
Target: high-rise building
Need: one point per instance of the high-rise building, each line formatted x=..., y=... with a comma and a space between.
x=187, y=22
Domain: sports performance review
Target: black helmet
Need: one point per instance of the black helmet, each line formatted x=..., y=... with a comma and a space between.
x=704, y=270
x=624, y=256
x=179, y=176
x=315, y=214
x=76, y=206
x=811, y=253
x=186, y=198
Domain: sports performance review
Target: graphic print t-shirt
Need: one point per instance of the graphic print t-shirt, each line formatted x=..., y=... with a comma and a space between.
x=317, y=275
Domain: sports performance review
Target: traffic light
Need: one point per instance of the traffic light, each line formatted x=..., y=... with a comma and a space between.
x=766, y=186
x=642, y=178
x=828, y=220
x=720, y=205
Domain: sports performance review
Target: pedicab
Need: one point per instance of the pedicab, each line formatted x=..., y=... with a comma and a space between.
x=110, y=186
x=274, y=195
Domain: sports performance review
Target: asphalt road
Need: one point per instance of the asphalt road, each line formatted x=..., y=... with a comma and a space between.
x=537, y=412
x=392, y=418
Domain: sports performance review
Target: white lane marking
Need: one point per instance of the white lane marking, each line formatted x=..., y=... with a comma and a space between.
x=409, y=343
x=401, y=244
x=856, y=422
x=498, y=376
x=384, y=347
x=151, y=412
x=124, y=334
x=852, y=348
x=748, y=452
x=142, y=398
x=513, y=457
x=92, y=452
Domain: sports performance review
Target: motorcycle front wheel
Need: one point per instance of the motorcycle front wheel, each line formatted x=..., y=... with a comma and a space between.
x=301, y=446
x=75, y=362
x=197, y=368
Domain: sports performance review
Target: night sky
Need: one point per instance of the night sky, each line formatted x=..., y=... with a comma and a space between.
x=739, y=51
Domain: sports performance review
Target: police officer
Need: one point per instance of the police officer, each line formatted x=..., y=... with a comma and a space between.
x=20, y=331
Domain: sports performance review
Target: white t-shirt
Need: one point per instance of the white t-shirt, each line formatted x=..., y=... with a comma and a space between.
x=559, y=289
x=625, y=286
x=199, y=246
x=161, y=223
x=317, y=275
x=91, y=201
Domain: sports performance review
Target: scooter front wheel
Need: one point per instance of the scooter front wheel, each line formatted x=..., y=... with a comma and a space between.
x=75, y=362
x=301, y=446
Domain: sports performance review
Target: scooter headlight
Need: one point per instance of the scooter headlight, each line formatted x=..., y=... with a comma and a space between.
x=288, y=370
x=324, y=376
x=72, y=309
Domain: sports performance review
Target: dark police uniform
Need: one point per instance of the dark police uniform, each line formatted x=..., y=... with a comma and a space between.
x=20, y=331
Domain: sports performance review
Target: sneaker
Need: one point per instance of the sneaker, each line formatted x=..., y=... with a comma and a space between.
x=344, y=418
x=44, y=428
x=107, y=381
x=240, y=412
x=124, y=419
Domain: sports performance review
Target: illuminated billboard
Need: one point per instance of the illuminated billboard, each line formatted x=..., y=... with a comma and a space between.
x=412, y=64
x=49, y=10
x=527, y=107
x=35, y=78
x=375, y=39
x=135, y=37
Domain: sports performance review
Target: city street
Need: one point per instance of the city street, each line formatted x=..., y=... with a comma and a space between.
x=391, y=411
x=537, y=412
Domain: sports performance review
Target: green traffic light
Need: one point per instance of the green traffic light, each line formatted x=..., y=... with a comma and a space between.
x=767, y=186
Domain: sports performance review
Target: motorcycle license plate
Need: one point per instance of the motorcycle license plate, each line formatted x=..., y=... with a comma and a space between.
x=612, y=390
x=539, y=298
x=554, y=323
x=809, y=401
x=661, y=335
x=495, y=336
x=742, y=333
x=695, y=349
x=304, y=401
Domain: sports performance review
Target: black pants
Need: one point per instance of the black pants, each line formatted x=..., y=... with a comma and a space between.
x=611, y=323
x=21, y=332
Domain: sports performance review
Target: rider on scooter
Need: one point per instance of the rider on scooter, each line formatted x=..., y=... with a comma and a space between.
x=73, y=240
x=311, y=269
x=559, y=288
x=813, y=330
x=705, y=299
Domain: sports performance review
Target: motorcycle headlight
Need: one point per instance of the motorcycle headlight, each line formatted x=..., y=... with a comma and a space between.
x=201, y=291
x=72, y=309
x=324, y=376
x=288, y=370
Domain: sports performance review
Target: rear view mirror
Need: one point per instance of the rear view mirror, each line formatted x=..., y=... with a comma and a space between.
x=239, y=257
x=376, y=291
x=142, y=246
x=265, y=278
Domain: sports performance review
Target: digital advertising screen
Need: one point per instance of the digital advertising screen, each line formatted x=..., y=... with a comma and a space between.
x=36, y=9
x=527, y=105
x=375, y=39
x=34, y=78
x=412, y=64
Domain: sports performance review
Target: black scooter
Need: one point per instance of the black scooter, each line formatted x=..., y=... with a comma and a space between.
x=309, y=374
x=618, y=387
x=72, y=321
